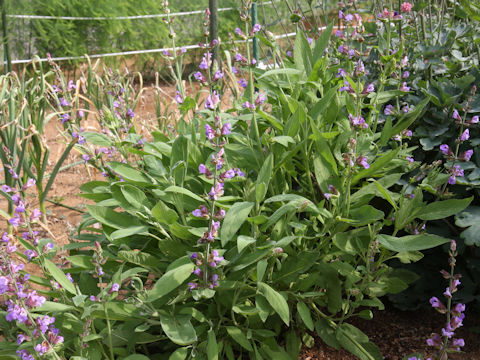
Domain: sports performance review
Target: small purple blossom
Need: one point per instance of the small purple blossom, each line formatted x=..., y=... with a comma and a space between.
x=404, y=87
x=465, y=135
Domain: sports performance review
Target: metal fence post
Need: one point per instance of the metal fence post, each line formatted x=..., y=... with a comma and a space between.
x=255, y=40
x=213, y=6
x=6, y=49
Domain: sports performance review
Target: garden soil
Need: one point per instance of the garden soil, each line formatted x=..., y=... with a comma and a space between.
x=396, y=333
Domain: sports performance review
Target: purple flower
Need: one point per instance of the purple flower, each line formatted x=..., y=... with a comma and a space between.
x=370, y=88
x=86, y=158
x=405, y=74
x=349, y=17
x=465, y=135
x=243, y=83
x=404, y=87
x=65, y=118
x=226, y=129
x=239, y=32
x=24, y=355
x=456, y=115
x=248, y=105
x=260, y=100
x=30, y=254
x=115, y=287
x=239, y=172
x=205, y=61
x=209, y=132
x=447, y=292
x=130, y=113
x=202, y=169
x=44, y=322
x=410, y=159
x=339, y=34
x=447, y=333
x=341, y=73
x=212, y=101
x=229, y=174
x=256, y=28
x=178, y=98
x=199, y=77
x=362, y=160
x=63, y=102
x=435, y=302
x=474, y=120
x=216, y=191
x=458, y=343
x=35, y=215
x=42, y=348
x=404, y=61
x=459, y=308
x=351, y=53
x=7, y=189
x=15, y=221
x=445, y=149
x=218, y=75
x=240, y=58
x=357, y=121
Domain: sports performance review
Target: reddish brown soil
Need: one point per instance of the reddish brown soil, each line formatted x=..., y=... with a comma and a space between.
x=396, y=333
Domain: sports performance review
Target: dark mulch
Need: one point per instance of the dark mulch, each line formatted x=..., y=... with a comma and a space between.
x=399, y=333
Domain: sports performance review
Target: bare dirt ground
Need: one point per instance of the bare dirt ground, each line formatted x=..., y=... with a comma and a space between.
x=396, y=333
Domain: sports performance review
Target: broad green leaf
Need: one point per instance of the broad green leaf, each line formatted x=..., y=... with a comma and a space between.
x=243, y=242
x=179, y=354
x=134, y=196
x=234, y=219
x=212, y=347
x=286, y=71
x=97, y=139
x=129, y=173
x=170, y=281
x=276, y=301
x=365, y=214
x=305, y=315
x=136, y=357
x=183, y=191
x=322, y=42
x=262, y=306
x=378, y=165
x=179, y=329
x=112, y=218
x=411, y=242
x=326, y=330
x=239, y=337
x=470, y=218
x=139, y=258
x=355, y=342
x=50, y=306
x=263, y=179
x=60, y=277
x=283, y=140
x=163, y=214
x=133, y=230
x=385, y=194
x=261, y=268
x=443, y=209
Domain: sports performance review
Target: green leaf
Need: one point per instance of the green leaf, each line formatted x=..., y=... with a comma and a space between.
x=322, y=42
x=276, y=301
x=444, y=209
x=470, y=218
x=354, y=341
x=305, y=315
x=234, y=219
x=365, y=214
x=263, y=179
x=243, y=242
x=112, y=218
x=60, y=277
x=239, y=337
x=97, y=139
x=163, y=214
x=179, y=329
x=136, y=357
x=326, y=331
x=183, y=191
x=378, y=164
x=139, y=258
x=286, y=71
x=385, y=194
x=179, y=354
x=212, y=347
x=170, y=281
x=133, y=230
x=411, y=242
x=129, y=173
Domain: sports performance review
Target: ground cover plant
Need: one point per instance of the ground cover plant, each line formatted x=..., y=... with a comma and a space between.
x=271, y=210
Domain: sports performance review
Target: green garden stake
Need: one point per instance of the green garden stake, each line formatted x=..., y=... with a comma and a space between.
x=7, y=57
x=255, y=40
x=213, y=6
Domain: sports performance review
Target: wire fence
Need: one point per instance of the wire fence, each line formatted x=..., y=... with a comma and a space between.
x=119, y=18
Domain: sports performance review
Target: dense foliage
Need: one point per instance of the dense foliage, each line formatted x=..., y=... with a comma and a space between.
x=245, y=228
